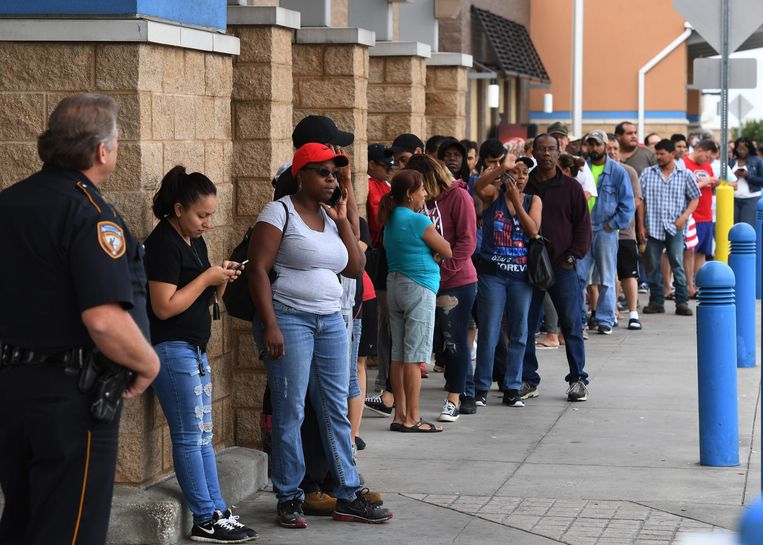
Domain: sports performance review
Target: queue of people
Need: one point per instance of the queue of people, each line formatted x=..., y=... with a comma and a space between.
x=443, y=263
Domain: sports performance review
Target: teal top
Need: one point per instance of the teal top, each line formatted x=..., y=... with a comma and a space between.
x=407, y=253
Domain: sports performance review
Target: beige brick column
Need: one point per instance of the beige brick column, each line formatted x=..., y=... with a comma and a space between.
x=331, y=79
x=396, y=92
x=174, y=109
x=262, y=125
x=446, y=94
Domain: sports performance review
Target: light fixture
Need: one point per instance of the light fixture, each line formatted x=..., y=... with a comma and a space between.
x=548, y=103
x=493, y=95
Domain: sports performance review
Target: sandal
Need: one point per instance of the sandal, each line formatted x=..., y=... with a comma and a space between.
x=417, y=427
x=396, y=426
x=541, y=345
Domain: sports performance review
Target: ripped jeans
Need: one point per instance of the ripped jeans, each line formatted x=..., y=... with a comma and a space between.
x=186, y=398
x=453, y=309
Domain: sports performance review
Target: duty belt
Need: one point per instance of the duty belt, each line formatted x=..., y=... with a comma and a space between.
x=72, y=358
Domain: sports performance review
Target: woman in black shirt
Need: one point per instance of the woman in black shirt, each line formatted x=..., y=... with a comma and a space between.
x=181, y=285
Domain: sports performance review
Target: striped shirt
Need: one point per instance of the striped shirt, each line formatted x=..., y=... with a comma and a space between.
x=665, y=201
x=690, y=239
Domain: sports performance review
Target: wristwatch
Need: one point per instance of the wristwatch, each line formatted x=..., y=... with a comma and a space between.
x=570, y=259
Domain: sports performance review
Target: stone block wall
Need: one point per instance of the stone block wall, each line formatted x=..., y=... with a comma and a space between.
x=332, y=80
x=262, y=126
x=174, y=109
x=396, y=98
x=446, y=100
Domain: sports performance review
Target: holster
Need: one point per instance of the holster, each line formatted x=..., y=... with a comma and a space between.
x=105, y=381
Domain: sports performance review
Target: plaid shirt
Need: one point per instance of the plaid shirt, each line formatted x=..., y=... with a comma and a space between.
x=666, y=201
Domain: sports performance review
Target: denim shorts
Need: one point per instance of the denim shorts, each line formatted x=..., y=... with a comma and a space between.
x=411, y=319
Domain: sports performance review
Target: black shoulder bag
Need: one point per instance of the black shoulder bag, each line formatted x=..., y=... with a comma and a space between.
x=540, y=271
x=237, y=299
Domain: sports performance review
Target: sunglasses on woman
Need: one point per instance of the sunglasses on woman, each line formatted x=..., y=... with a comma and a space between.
x=324, y=172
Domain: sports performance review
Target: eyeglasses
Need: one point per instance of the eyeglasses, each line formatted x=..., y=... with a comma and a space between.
x=324, y=172
x=548, y=149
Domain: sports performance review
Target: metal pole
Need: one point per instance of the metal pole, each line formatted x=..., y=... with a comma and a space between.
x=577, y=68
x=724, y=86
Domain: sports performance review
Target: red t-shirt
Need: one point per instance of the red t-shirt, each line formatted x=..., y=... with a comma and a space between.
x=376, y=190
x=368, y=288
x=704, y=210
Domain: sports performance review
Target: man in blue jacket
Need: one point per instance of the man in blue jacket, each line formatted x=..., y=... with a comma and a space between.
x=613, y=210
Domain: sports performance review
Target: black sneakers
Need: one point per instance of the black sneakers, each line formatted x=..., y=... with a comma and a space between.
x=290, y=514
x=233, y=521
x=360, y=510
x=219, y=530
x=376, y=404
x=468, y=405
x=512, y=398
x=481, y=398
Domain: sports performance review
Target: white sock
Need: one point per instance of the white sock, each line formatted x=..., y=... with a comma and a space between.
x=633, y=314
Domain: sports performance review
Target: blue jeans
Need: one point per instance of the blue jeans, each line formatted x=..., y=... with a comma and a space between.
x=499, y=294
x=604, y=253
x=674, y=247
x=565, y=294
x=316, y=357
x=454, y=307
x=186, y=398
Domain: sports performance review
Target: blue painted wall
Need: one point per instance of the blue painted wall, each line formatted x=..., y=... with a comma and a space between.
x=206, y=13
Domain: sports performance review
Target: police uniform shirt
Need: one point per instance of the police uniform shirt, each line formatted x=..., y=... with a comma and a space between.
x=64, y=250
x=171, y=260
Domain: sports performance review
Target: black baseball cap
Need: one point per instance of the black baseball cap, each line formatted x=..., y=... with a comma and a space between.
x=380, y=154
x=320, y=129
x=527, y=161
x=407, y=142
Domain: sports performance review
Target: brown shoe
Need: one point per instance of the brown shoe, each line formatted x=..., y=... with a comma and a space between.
x=682, y=309
x=318, y=504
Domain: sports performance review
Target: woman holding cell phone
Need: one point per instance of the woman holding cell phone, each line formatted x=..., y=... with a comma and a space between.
x=182, y=285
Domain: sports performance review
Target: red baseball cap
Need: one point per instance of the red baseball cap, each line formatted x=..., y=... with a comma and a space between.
x=313, y=152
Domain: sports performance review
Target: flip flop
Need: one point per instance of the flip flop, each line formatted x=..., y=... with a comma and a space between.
x=544, y=346
x=416, y=428
x=396, y=426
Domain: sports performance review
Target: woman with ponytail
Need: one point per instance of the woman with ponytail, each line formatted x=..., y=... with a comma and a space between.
x=413, y=247
x=181, y=286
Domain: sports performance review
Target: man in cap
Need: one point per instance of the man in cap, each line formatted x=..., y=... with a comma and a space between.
x=405, y=146
x=380, y=163
x=313, y=128
x=561, y=133
x=614, y=209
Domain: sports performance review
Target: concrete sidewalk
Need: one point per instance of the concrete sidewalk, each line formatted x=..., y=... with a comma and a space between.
x=619, y=469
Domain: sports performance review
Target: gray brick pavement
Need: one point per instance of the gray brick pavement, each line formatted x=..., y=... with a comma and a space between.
x=577, y=522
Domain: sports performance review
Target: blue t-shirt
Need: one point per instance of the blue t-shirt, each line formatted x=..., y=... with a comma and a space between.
x=504, y=243
x=407, y=253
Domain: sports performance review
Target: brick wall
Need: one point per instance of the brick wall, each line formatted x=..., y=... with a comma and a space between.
x=332, y=80
x=446, y=101
x=262, y=125
x=174, y=109
x=396, y=98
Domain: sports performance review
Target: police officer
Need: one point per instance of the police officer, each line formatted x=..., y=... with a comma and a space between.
x=71, y=281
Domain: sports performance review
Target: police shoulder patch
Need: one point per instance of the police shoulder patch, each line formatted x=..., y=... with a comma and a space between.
x=111, y=237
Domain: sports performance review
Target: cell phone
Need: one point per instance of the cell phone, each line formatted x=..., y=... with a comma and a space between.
x=335, y=196
x=506, y=177
x=237, y=267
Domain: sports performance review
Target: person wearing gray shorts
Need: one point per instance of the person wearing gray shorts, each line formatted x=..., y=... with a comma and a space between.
x=413, y=246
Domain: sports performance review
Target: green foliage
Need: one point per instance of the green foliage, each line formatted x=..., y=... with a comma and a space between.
x=752, y=129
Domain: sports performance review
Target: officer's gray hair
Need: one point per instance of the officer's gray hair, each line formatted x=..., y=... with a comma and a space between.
x=77, y=126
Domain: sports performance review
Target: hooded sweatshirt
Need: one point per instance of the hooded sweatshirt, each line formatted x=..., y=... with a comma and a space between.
x=454, y=218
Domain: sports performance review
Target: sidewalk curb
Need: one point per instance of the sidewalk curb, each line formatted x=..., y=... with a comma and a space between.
x=157, y=514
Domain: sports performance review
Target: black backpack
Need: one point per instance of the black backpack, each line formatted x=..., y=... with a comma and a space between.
x=237, y=299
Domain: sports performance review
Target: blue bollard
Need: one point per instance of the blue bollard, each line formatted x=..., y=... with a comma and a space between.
x=759, y=250
x=716, y=366
x=742, y=262
x=751, y=525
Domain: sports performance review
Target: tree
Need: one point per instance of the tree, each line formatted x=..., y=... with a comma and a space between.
x=753, y=129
